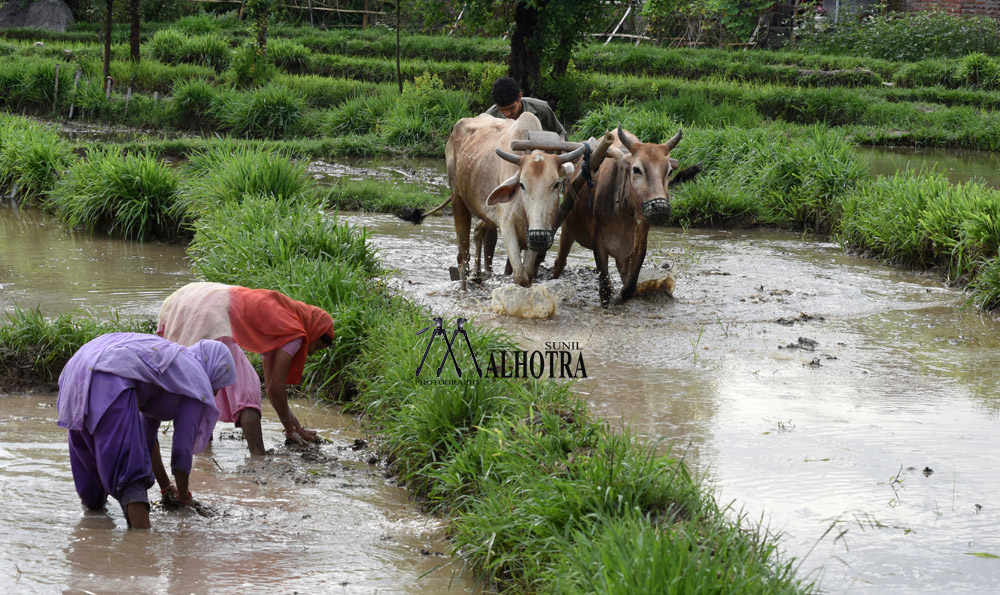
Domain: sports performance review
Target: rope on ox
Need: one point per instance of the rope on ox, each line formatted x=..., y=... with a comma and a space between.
x=591, y=162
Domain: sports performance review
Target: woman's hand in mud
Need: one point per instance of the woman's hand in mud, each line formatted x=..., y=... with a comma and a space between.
x=171, y=499
x=296, y=434
x=301, y=436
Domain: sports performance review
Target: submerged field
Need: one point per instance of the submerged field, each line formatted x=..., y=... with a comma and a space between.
x=537, y=492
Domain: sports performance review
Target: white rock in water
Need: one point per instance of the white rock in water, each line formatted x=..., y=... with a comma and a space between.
x=533, y=302
x=663, y=283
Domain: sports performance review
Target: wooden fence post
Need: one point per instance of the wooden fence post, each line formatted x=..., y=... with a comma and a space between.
x=55, y=91
x=76, y=82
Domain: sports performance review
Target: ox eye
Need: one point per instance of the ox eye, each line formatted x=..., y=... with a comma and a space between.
x=521, y=184
x=637, y=171
x=556, y=185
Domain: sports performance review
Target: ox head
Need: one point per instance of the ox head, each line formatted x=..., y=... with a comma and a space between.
x=539, y=184
x=647, y=168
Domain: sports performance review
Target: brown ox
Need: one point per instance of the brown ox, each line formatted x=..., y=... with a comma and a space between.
x=629, y=190
x=519, y=194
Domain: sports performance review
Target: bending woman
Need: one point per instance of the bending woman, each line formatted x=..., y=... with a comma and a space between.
x=113, y=394
x=284, y=331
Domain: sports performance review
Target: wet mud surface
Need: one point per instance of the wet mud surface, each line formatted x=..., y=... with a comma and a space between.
x=307, y=520
x=812, y=388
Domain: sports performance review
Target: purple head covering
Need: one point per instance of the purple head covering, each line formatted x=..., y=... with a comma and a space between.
x=144, y=358
x=217, y=361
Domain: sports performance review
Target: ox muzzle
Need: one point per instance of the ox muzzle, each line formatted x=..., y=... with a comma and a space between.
x=658, y=210
x=541, y=240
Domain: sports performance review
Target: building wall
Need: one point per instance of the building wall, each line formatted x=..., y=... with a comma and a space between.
x=990, y=8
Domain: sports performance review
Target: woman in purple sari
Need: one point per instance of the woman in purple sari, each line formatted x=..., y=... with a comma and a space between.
x=113, y=394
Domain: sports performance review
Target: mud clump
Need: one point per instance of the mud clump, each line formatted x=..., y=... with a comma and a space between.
x=803, y=343
x=802, y=318
x=531, y=302
x=664, y=284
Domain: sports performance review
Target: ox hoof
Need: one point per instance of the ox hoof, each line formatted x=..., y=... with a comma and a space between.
x=455, y=275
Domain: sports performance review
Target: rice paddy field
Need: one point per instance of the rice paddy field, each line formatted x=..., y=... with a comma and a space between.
x=200, y=143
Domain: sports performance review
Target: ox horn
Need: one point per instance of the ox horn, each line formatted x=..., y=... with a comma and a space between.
x=515, y=159
x=670, y=144
x=627, y=139
x=567, y=157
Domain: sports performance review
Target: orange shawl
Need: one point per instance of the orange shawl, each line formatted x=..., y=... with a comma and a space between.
x=263, y=320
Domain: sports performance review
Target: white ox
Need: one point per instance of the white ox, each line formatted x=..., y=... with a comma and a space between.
x=519, y=194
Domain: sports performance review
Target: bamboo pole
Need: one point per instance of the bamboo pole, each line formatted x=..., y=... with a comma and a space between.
x=76, y=82
x=55, y=91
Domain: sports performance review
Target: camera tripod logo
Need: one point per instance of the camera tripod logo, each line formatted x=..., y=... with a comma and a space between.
x=438, y=327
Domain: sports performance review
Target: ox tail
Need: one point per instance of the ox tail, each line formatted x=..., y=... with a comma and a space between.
x=687, y=174
x=416, y=216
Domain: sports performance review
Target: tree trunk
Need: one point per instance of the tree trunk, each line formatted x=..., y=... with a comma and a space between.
x=262, y=32
x=524, y=61
x=133, y=39
x=107, y=40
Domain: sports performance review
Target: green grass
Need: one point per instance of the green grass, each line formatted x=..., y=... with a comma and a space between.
x=921, y=219
x=227, y=172
x=131, y=196
x=35, y=348
x=372, y=195
x=31, y=158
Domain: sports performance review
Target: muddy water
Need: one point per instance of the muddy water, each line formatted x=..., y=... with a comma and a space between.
x=851, y=407
x=43, y=264
x=306, y=521
x=319, y=520
x=959, y=165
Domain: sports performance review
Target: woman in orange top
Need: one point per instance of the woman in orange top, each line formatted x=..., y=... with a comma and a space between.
x=284, y=331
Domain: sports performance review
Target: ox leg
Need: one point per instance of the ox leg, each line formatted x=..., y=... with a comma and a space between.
x=603, y=280
x=486, y=245
x=539, y=259
x=477, y=238
x=490, y=248
x=565, y=243
x=463, y=225
x=520, y=270
x=629, y=271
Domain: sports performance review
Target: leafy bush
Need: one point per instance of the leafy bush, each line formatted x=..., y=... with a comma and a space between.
x=195, y=103
x=247, y=69
x=979, y=71
x=267, y=112
x=359, y=115
x=424, y=114
x=229, y=171
x=926, y=73
x=173, y=47
x=197, y=24
x=907, y=36
x=131, y=196
x=31, y=157
x=287, y=55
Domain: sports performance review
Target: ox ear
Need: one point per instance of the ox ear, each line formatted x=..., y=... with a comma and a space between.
x=674, y=164
x=567, y=169
x=505, y=191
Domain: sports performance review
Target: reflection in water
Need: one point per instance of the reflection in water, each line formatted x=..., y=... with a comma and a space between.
x=959, y=165
x=42, y=264
x=812, y=386
x=302, y=521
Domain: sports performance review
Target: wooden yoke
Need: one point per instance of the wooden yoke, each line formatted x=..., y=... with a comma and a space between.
x=550, y=141
x=599, y=149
